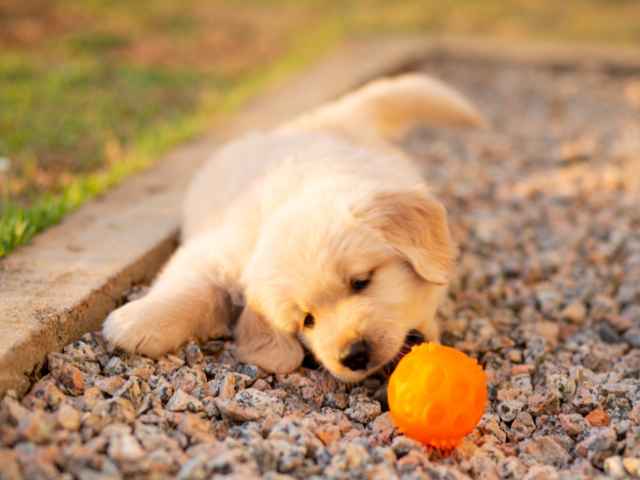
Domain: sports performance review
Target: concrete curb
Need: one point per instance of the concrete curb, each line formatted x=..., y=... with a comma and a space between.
x=613, y=60
x=70, y=277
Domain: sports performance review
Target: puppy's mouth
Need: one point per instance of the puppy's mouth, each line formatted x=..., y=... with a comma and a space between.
x=413, y=338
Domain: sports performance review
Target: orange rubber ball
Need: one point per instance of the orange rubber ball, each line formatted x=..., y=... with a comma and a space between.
x=437, y=395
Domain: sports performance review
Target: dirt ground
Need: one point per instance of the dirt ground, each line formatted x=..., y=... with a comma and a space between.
x=544, y=204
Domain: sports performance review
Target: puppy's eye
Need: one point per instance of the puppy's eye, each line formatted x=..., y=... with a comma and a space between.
x=359, y=284
x=309, y=321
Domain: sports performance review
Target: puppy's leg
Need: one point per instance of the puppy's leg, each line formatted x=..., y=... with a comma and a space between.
x=259, y=343
x=187, y=300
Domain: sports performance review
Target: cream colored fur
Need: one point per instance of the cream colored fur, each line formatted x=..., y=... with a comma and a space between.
x=283, y=222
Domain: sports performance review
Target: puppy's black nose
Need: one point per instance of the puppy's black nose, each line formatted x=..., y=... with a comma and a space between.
x=356, y=355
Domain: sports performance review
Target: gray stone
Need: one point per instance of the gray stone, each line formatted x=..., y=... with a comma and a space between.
x=125, y=448
x=541, y=472
x=193, y=354
x=599, y=444
x=509, y=409
x=511, y=469
x=362, y=409
x=523, y=426
x=250, y=404
x=573, y=424
x=181, y=401
x=632, y=336
x=68, y=417
x=545, y=450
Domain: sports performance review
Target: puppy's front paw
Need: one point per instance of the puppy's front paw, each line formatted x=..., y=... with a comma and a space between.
x=272, y=361
x=141, y=327
x=257, y=342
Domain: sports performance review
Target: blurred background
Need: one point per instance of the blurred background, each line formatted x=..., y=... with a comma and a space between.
x=92, y=91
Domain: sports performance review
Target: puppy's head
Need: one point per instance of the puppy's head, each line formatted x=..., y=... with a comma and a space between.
x=347, y=282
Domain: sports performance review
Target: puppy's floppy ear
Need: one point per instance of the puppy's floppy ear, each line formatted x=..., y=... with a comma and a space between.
x=264, y=345
x=415, y=225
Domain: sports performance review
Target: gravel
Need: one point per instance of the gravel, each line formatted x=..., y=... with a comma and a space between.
x=545, y=205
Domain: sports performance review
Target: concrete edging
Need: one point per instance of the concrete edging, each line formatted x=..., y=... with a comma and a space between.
x=65, y=282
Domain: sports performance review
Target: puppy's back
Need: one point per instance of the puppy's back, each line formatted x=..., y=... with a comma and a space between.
x=233, y=179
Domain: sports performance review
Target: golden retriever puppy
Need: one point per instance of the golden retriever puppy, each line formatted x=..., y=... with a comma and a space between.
x=322, y=233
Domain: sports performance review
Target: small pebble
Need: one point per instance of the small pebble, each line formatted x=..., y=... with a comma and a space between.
x=599, y=444
x=490, y=423
x=71, y=378
x=250, y=404
x=181, y=401
x=115, y=366
x=621, y=323
x=523, y=426
x=608, y=334
x=632, y=337
x=362, y=409
x=68, y=417
x=542, y=472
x=110, y=385
x=575, y=313
x=193, y=354
x=598, y=418
x=125, y=448
x=545, y=450
x=509, y=409
x=632, y=466
x=36, y=427
x=573, y=424
x=614, y=467
x=511, y=468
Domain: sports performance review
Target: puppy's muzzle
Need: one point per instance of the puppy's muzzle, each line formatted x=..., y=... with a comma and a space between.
x=356, y=356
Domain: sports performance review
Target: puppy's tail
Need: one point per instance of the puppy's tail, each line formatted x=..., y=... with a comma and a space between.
x=389, y=108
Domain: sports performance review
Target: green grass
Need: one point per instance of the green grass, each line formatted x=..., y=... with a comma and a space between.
x=91, y=121
x=143, y=90
x=108, y=86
